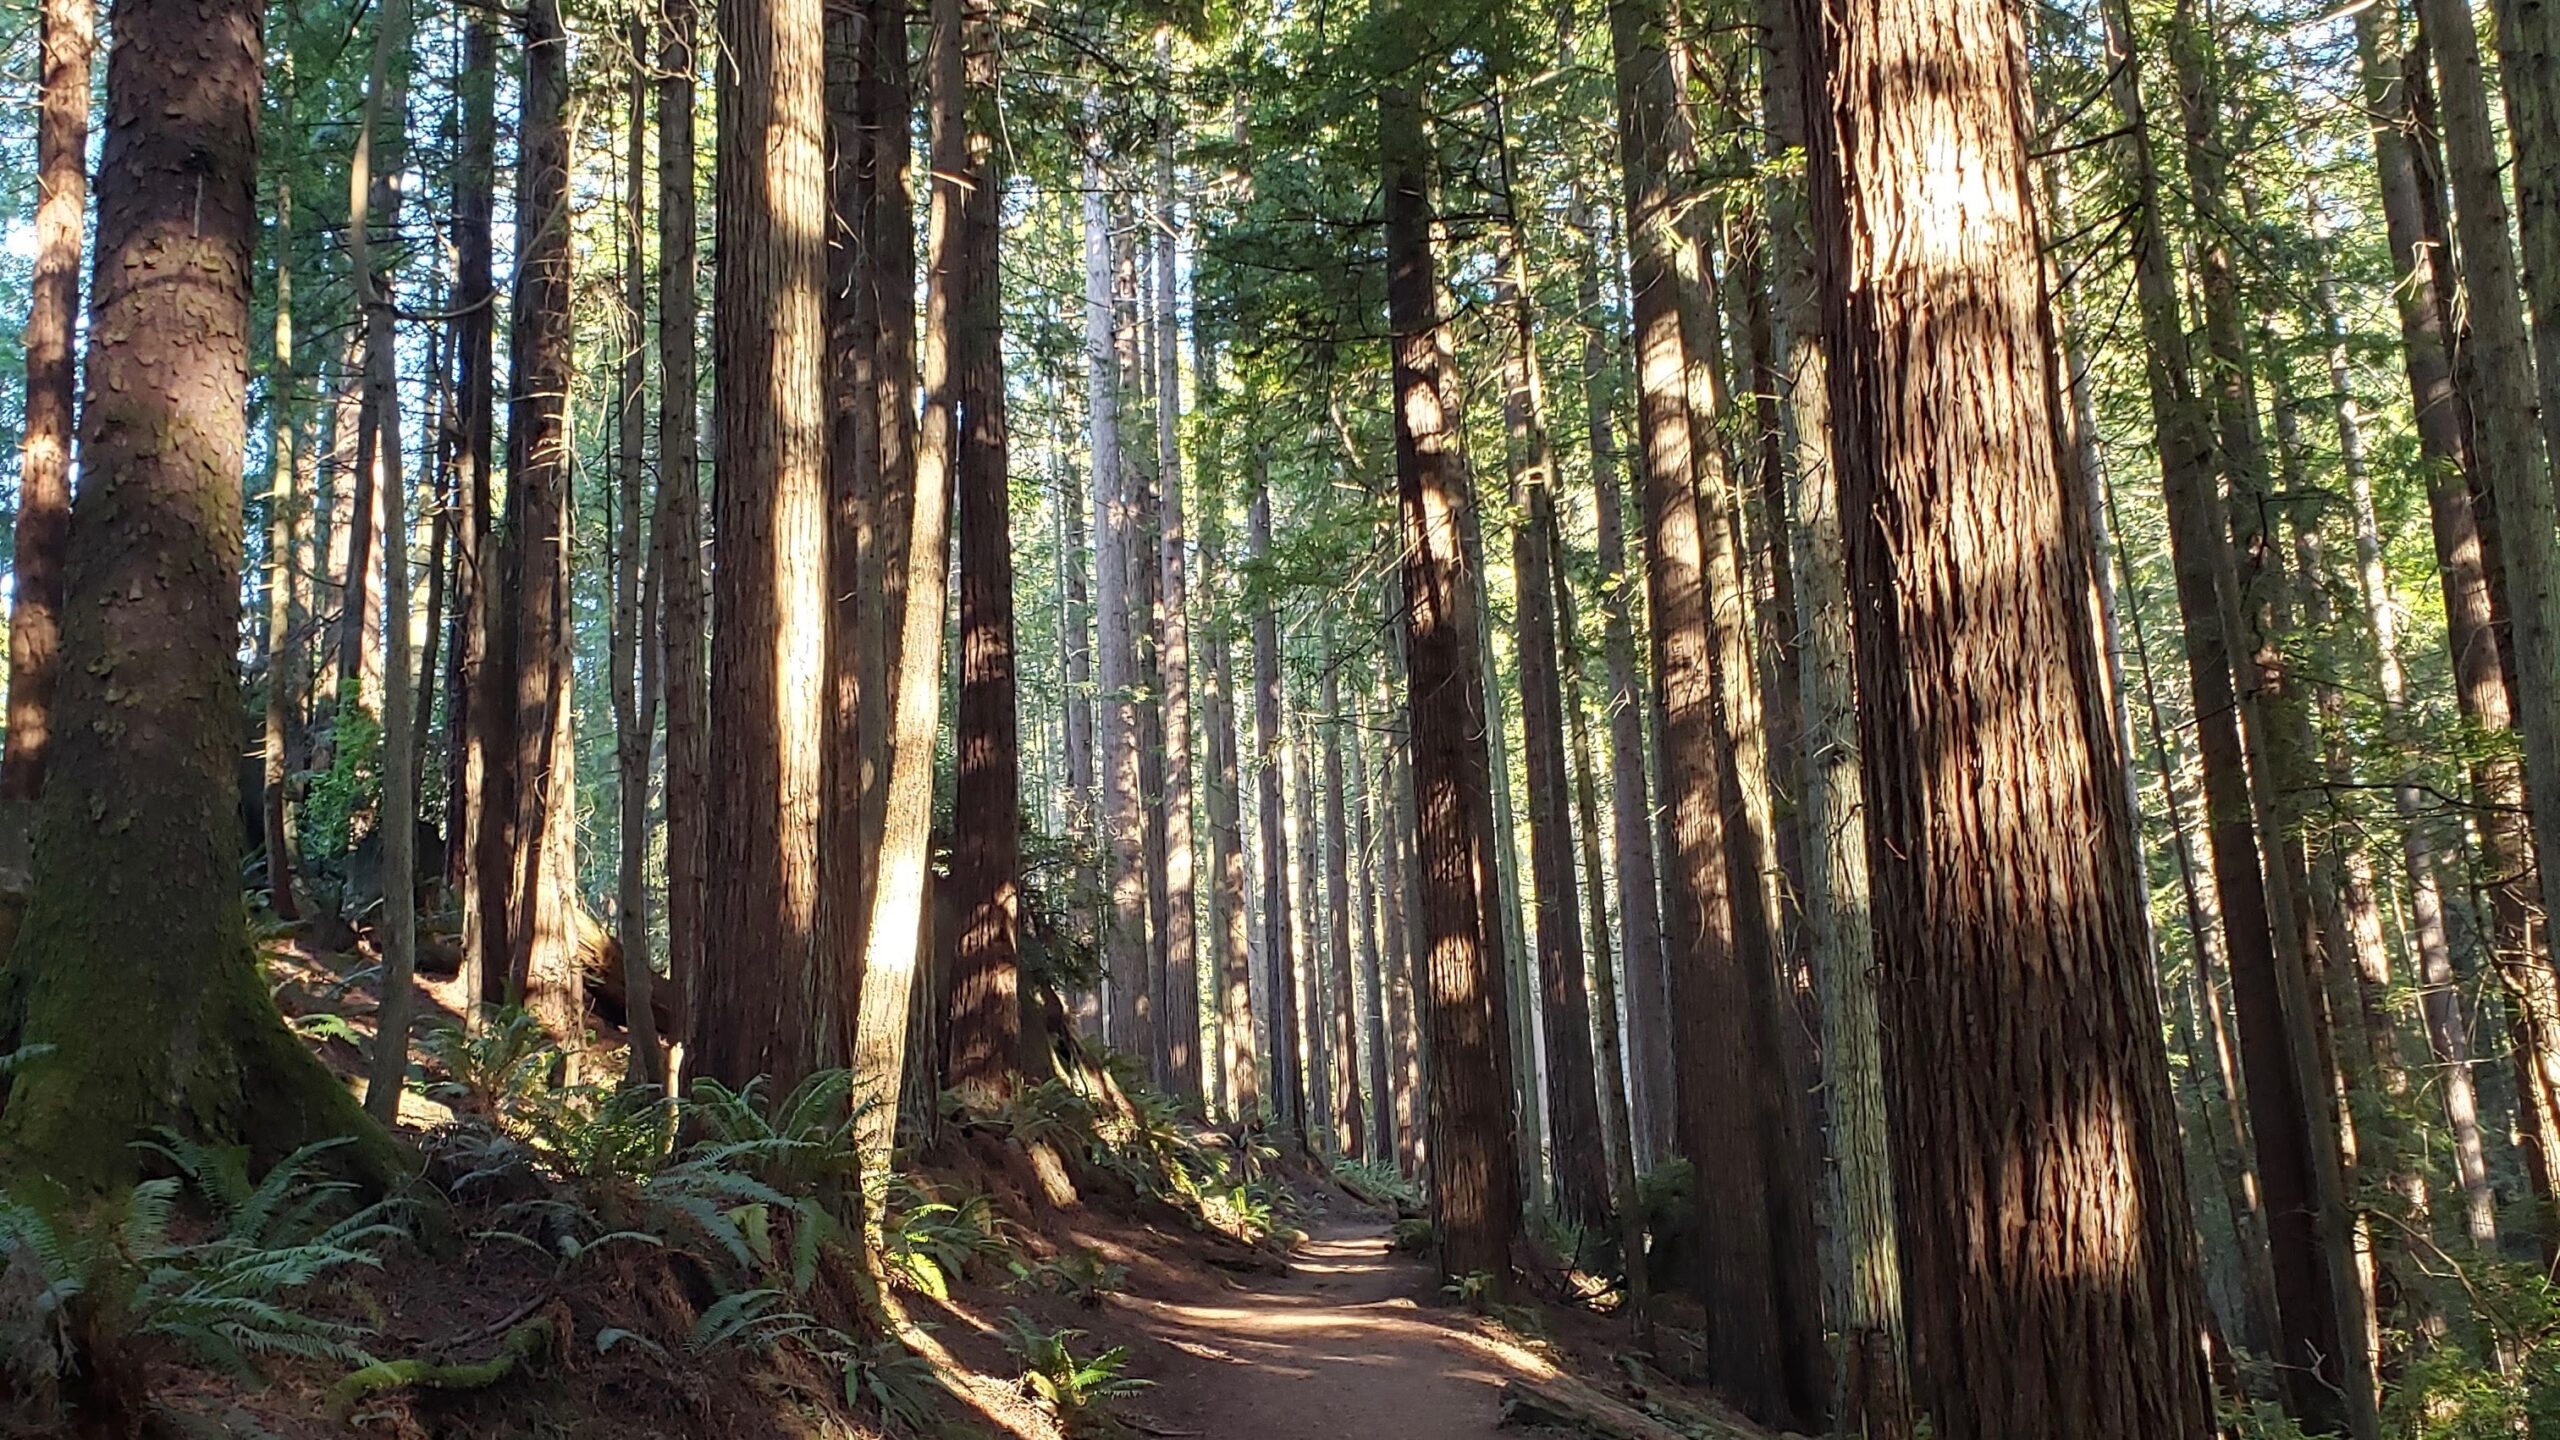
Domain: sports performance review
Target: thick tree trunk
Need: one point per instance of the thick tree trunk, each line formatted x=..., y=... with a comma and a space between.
x=65, y=38
x=132, y=962
x=1475, y=1205
x=539, y=866
x=985, y=1025
x=1986, y=732
x=767, y=1000
x=677, y=524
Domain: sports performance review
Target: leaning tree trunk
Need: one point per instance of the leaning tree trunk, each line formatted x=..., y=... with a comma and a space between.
x=132, y=963
x=766, y=1002
x=2052, y=1259
x=1475, y=1205
x=897, y=937
x=65, y=37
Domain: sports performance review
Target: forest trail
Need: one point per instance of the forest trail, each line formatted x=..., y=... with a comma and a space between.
x=1354, y=1340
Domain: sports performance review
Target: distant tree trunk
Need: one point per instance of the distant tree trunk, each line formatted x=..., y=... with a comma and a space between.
x=1281, y=989
x=898, y=936
x=2287, y=1113
x=767, y=1001
x=1838, y=908
x=1349, y=1115
x=2051, y=1257
x=287, y=514
x=481, y=812
x=1722, y=977
x=1392, y=805
x=1308, y=948
x=1580, y=1164
x=2412, y=203
x=1229, y=935
x=383, y=133
x=985, y=1034
x=1181, y=1020
x=132, y=962
x=678, y=522
x=634, y=670
x=1648, y=996
x=1076, y=649
x=1380, y=1126
x=1124, y=924
x=1616, y=1123
x=1475, y=1206
x=65, y=37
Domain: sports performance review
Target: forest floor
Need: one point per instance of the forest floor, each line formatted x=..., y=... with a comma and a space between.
x=1327, y=1332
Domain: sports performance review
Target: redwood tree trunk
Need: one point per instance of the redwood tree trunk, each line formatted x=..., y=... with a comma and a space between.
x=65, y=36
x=132, y=963
x=1475, y=1202
x=678, y=523
x=2052, y=1264
x=1280, y=985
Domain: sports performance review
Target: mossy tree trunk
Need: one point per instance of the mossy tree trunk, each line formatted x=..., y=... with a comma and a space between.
x=135, y=911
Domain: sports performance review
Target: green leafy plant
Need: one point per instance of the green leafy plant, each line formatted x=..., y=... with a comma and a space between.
x=1079, y=1275
x=929, y=1240
x=1080, y=1393
x=897, y=1383
x=492, y=1071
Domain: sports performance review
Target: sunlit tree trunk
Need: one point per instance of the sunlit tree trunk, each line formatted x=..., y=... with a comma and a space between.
x=1181, y=1020
x=1229, y=932
x=1124, y=924
x=65, y=38
x=898, y=936
x=766, y=1001
x=2051, y=1259
x=1475, y=1205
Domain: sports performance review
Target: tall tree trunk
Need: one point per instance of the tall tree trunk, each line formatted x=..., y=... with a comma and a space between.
x=1838, y=907
x=2295, y=1149
x=767, y=1000
x=481, y=811
x=287, y=514
x=1474, y=1203
x=1652, y=1100
x=1397, y=887
x=898, y=937
x=65, y=38
x=1581, y=1175
x=1722, y=980
x=383, y=133
x=1380, y=1127
x=1280, y=989
x=1229, y=932
x=2051, y=1258
x=678, y=522
x=985, y=1034
x=1308, y=951
x=635, y=619
x=1349, y=1115
x=2469, y=434
x=132, y=963
x=1181, y=1020
x=1124, y=922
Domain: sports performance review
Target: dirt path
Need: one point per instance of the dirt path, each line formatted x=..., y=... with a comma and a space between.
x=1350, y=1343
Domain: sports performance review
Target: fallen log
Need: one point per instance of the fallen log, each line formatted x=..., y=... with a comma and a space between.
x=1563, y=1403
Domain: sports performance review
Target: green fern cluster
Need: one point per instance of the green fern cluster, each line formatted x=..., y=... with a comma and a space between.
x=1079, y=1275
x=230, y=1298
x=1079, y=1392
x=933, y=1235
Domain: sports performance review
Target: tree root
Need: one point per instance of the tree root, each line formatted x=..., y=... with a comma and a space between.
x=522, y=1343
